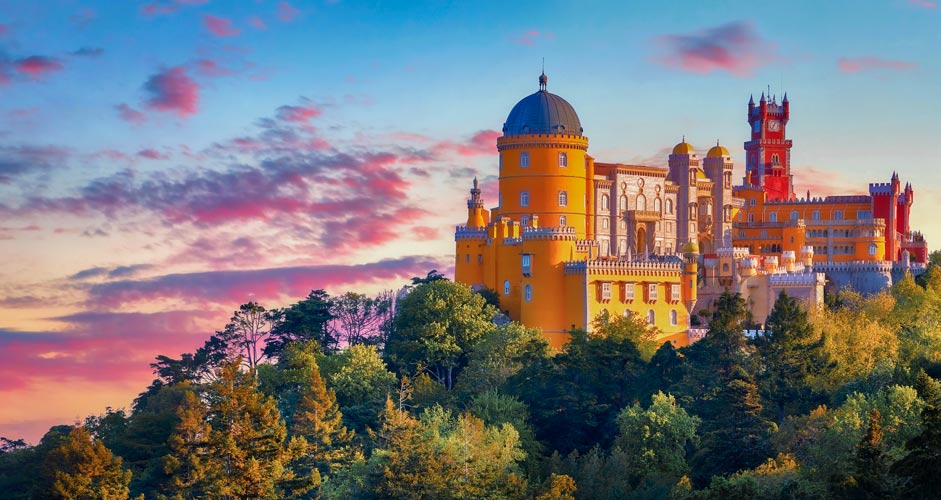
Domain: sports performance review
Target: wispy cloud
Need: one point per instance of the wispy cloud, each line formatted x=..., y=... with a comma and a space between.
x=219, y=26
x=287, y=12
x=130, y=115
x=735, y=48
x=870, y=63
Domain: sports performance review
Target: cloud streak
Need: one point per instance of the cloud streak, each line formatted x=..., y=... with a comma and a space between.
x=873, y=64
x=735, y=48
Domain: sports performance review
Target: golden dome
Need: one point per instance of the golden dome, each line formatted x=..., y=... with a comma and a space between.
x=718, y=151
x=684, y=148
x=691, y=247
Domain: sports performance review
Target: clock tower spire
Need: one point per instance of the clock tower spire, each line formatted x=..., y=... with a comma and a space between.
x=768, y=153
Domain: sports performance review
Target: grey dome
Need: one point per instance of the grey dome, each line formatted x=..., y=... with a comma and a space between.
x=542, y=113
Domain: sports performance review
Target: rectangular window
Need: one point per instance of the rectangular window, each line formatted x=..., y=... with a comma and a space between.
x=675, y=292
x=863, y=214
x=752, y=202
x=628, y=291
x=562, y=221
x=563, y=160
x=606, y=291
x=524, y=159
x=527, y=264
x=651, y=292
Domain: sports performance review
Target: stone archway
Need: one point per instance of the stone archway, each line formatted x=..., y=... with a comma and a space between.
x=641, y=239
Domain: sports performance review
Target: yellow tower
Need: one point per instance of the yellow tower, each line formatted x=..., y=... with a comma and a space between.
x=690, y=274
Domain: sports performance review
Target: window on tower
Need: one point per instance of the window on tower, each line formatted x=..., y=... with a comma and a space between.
x=524, y=159
x=669, y=206
x=562, y=221
x=775, y=160
x=622, y=203
x=605, y=202
x=604, y=223
x=506, y=287
x=657, y=205
x=527, y=264
x=563, y=198
x=563, y=160
x=524, y=198
x=528, y=293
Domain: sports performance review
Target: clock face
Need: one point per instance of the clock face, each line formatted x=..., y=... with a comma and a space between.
x=774, y=126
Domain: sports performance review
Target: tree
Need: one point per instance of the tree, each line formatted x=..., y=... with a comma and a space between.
x=499, y=356
x=305, y=321
x=83, y=468
x=318, y=420
x=871, y=479
x=921, y=467
x=362, y=383
x=436, y=325
x=631, y=328
x=558, y=487
x=789, y=355
x=431, y=277
x=656, y=438
x=235, y=446
x=246, y=334
x=359, y=319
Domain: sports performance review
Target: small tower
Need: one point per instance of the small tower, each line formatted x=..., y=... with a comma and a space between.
x=685, y=172
x=768, y=153
x=718, y=166
x=690, y=274
x=477, y=216
x=807, y=256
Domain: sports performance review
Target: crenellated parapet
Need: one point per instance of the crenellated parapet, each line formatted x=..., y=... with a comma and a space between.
x=564, y=233
x=469, y=233
x=622, y=267
x=855, y=266
x=796, y=279
x=734, y=252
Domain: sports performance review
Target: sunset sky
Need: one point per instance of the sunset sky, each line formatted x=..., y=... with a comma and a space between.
x=162, y=162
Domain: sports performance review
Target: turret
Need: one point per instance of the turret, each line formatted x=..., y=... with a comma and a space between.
x=787, y=107
x=807, y=256
x=477, y=216
x=788, y=260
x=690, y=274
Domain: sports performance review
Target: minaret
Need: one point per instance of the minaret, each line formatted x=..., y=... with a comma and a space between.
x=891, y=225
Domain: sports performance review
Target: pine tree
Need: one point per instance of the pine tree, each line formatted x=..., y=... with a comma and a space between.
x=190, y=462
x=84, y=468
x=318, y=420
x=871, y=479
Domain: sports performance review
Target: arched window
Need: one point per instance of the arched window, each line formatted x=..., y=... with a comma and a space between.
x=816, y=215
x=669, y=206
x=524, y=159
x=563, y=160
x=651, y=318
x=506, y=287
x=604, y=223
x=605, y=203
x=524, y=221
x=524, y=198
x=837, y=215
x=562, y=220
x=775, y=159
x=563, y=198
x=656, y=205
x=528, y=293
x=727, y=180
x=641, y=202
x=795, y=215
x=673, y=317
x=773, y=217
x=622, y=203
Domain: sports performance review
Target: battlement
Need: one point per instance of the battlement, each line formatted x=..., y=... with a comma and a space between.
x=796, y=279
x=734, y=252
x=670, y=265
x=566, y=233
x=584, y=246
x=880, y=188
x=512, y=241
x=856, y=265
x=861, y=198
x=469, y=233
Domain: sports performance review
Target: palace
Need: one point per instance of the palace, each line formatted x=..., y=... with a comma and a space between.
x=572, y=238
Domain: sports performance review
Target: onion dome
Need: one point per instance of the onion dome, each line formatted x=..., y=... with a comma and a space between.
x=684, y=148
x=691, y=247
x=717, y=151
x=542, y=113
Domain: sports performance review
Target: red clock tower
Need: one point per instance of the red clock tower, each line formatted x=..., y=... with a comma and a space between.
x=768, y=153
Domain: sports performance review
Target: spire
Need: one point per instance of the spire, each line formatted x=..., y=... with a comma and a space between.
x=751, y=99
x=785, y=98
x=763, y=98
x=475, y=182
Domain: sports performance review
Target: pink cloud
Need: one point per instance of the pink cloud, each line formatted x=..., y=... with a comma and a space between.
x=926, y=4
x=299, y=114
x=219, y=26
x=152, y=154
x=172, y=90
x=156, y=9
x=238, y=286
x=38, y=66
x=530, y=37
x=287, y=12
x=211, y=69
x=863, y=64
x=734, y=47
x=130, y=115
x=823, y=182
x=256, y=22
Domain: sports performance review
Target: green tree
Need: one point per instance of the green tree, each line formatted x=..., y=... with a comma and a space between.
x=558, y=487
x=305, y=321
x=789, y=355
x=83, y=468
x=318, y=420
x=656, y=438
x=498, y=356
x=191, y=462
x=871, y=480
x=921, y=467
x=362, y=383
x=436, y=325
x=358, y=319
x=631, y=328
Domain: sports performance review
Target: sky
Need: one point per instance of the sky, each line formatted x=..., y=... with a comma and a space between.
x=164, y=161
